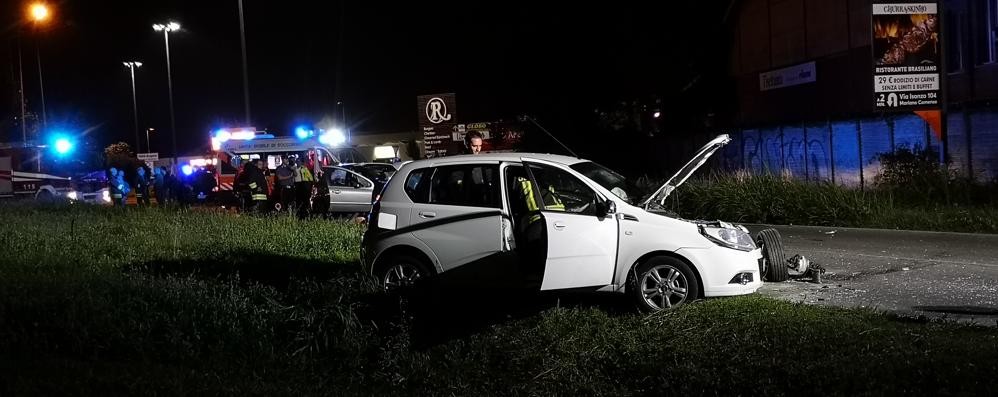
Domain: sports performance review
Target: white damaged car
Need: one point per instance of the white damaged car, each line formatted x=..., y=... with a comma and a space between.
x=564, y=223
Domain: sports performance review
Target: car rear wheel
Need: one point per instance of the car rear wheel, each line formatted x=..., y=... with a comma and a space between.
x=663, y=283
x=400, y=271
x=773, y=266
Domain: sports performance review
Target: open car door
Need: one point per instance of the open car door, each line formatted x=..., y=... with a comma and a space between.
x=581, y=236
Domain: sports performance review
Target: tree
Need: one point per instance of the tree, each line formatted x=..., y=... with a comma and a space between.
x=121, y=156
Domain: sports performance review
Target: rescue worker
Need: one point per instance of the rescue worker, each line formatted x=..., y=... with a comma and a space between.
x=141, y=187
x=530, y=230
x=114, y=188
x=285, y=176
x=303, y=187
x=551, y=200
x=123, y=187
x=256, y=183
x=159, y=185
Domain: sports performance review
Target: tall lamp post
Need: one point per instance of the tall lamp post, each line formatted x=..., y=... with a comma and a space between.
x=242, y=38
x=148, y=146
x=166, y=29
x=131, y=65
x=40, y=13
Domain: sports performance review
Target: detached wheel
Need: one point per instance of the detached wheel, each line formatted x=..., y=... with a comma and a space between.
x=663, y=283
x=401, y=271
x=773, y=266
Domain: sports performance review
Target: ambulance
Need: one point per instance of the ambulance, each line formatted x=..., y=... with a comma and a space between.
x=234, y=147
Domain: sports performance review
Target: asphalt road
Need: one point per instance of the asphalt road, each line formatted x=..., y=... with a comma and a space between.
x=949, y=275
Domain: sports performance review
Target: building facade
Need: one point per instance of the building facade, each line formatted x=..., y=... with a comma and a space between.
x=804, y=75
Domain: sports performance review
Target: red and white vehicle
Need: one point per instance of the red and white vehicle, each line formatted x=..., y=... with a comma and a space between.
x=234, y=147
x=20, y=175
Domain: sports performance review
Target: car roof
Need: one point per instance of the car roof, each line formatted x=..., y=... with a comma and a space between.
x=495, y=157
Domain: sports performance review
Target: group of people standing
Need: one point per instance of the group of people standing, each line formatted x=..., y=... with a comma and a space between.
x=292, y=183
x=164, y=184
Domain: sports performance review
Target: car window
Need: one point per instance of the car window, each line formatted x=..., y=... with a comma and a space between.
x=471, y=185
x=359, y=180
x=340, y=178
x=612, y=181
x=417, y=185
x=374, y=173
x=561, y=191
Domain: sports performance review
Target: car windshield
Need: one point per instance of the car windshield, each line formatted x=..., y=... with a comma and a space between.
x=370, y=172
x=607, y=178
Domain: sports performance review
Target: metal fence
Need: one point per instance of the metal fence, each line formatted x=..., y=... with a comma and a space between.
x=845, y=152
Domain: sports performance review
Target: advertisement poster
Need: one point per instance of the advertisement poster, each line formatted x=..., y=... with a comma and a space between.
x=437, y=119
x=906, y=56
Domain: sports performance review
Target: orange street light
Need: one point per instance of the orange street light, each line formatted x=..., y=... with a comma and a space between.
x=39, y=12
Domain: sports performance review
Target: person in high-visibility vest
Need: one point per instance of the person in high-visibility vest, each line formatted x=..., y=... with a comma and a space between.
x=257, y=185
x=253, y=187
x=551, y=200
x=303, y=186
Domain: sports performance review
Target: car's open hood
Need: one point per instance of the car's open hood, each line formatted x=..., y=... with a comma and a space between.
x=684, y=173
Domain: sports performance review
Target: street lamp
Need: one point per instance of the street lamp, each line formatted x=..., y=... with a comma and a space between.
x=40, y=13
x=131, y=65
x=148, y=146
x=242, y=38
x=166, y=29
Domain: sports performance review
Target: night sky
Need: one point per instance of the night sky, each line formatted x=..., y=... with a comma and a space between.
x=502, y=60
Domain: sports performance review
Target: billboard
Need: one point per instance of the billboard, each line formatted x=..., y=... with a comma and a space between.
x=906, y=56
x=497, y=136
x=437, y=119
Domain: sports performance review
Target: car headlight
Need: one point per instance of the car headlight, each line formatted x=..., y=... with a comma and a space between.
x=728, y=236
x=106, y=196
x=72, y=196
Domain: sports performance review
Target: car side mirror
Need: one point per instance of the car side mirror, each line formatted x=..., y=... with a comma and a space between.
x=605, y=207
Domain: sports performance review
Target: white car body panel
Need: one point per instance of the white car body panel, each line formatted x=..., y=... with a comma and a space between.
x=461, y=241
x=581, y=251
x=585, y=252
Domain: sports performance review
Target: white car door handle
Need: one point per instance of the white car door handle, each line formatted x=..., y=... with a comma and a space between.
x=336, y=192
x=427, y=214
x=559, y=225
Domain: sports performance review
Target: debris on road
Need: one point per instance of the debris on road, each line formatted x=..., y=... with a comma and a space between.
x=831, y=232
x=805, y=269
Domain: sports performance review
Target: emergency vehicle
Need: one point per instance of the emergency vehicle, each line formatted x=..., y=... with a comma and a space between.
x=21, y=174
x=235, y=147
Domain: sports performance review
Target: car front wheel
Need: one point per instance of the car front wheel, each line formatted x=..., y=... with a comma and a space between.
x=773, y=266
x=663, y=283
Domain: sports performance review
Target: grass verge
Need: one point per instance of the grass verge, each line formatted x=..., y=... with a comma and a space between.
x=158, y=302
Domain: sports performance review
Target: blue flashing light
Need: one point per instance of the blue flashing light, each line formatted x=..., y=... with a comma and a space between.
x=63, y=146
x=302, y=133
x=187, y=169
x=333, y=137
x=222, y=135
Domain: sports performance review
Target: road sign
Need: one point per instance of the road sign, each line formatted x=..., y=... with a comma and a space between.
x=148, y=156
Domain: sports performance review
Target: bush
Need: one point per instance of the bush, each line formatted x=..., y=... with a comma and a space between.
x=777, y=200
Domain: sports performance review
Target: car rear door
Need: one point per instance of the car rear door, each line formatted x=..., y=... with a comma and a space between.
x=460, y=216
